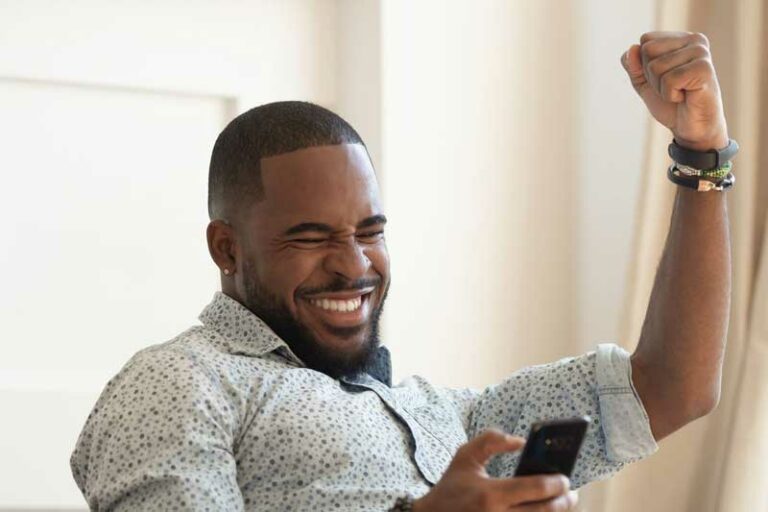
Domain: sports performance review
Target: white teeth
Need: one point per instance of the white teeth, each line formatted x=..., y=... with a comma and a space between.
x=338, y=305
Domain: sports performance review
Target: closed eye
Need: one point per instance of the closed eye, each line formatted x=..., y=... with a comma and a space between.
x=308, y=240
x=372, y=236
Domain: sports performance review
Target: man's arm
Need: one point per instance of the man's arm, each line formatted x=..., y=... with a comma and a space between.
x=677, y=364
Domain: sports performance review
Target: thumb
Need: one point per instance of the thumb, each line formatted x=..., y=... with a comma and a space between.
x=478, y=451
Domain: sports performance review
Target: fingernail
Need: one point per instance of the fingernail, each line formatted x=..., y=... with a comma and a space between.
x=574, y=497
x=566, y=482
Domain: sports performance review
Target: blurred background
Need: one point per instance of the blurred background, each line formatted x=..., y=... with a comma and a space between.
x=523, y=180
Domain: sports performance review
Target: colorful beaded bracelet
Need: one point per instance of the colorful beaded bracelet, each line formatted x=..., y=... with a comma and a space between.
x=700, y=184
x=716, y=173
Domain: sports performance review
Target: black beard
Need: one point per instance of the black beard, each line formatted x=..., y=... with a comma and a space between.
x=302, y=341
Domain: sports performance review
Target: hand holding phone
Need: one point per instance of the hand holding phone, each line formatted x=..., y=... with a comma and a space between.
x=553, y=446
x=466, y=485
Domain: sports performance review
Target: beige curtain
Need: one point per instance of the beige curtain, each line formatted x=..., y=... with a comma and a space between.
x=719, y=463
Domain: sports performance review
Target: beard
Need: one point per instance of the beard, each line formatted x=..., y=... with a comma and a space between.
x=302, y=341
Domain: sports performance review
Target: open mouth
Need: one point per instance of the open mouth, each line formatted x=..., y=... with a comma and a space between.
x=338, y=305
x=343, y=309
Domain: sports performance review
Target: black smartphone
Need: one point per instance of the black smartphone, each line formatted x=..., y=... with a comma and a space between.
x=552, y=446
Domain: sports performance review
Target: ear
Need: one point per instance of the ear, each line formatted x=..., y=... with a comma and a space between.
x=222, y=245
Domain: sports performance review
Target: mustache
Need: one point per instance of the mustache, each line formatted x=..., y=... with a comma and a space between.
x=342, y=285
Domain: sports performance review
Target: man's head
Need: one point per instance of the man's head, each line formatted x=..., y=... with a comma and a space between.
x=297, y=231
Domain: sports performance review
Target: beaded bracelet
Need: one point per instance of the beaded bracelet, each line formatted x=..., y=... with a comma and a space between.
x=698, y=183
x=716, y=173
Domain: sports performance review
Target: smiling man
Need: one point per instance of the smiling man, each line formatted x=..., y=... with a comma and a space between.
x=310, y=260
x=281, y=399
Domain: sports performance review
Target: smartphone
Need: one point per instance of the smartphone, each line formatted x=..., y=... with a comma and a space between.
x=553, y=446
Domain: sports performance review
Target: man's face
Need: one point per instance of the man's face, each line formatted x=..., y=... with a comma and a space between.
x=313, y=262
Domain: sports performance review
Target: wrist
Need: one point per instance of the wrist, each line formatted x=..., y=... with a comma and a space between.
x=718, y=142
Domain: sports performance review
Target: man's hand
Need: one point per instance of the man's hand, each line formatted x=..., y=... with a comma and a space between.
x=466, y=487
x=674, y=75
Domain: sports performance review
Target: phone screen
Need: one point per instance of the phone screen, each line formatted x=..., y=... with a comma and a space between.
x=553, y=446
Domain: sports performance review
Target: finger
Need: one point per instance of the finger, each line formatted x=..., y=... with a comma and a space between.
x=633, y=64
x=559, y=504
x=490, y=442
x=661, y=34
x=525, y=489
x=658, y=47
x=667, y=61
x=694, y=76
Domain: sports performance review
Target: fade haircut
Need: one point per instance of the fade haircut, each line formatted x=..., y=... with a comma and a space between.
x=234, y=174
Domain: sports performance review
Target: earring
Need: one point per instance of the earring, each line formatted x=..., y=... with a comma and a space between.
x=226, y=271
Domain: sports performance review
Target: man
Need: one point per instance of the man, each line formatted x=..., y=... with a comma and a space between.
x=280, y=400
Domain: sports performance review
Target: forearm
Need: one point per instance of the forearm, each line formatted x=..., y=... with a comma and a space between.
x=677, y=364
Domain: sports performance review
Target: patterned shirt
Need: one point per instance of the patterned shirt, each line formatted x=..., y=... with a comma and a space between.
x=226, y=417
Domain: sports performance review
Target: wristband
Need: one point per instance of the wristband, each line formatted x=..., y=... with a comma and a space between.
x=711, y=159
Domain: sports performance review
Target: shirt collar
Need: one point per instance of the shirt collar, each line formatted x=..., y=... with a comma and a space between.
x=244, y=332
x=247, y=334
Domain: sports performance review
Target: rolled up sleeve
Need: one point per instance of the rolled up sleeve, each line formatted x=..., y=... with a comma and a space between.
x=625, y=423
x=597, y=384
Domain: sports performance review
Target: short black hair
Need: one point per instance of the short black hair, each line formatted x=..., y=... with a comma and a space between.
x=271, y=129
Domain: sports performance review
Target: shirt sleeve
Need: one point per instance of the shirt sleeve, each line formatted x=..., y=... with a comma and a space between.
x=159, y=438
x=597, y=384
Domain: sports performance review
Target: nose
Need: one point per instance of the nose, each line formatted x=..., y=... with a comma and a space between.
x=347, y=260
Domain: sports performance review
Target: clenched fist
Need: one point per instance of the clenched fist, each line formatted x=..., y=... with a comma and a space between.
x=674, y=75
x=466, y=487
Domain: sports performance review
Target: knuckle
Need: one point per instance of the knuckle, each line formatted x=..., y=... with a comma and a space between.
x=559, y=504
x=540, y=486
x=484, y=440
x=701, y=50
x=483, y=500
x=656, y=67
x=666, y=85
x=461, y=456
x=701, y=38
x=645, y=49
x=492, y=433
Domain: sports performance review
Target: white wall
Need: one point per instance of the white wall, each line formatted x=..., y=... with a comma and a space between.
x=480, y=116
x=108, y=112
x=612, y=134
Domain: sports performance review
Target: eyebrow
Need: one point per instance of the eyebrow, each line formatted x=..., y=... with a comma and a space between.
x=318, y=227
